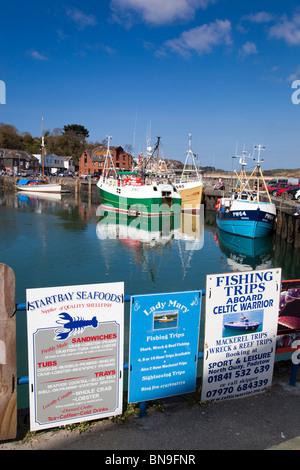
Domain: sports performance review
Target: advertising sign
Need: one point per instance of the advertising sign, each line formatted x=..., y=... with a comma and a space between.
x=240, y=333
x=75, y=353
x=164, y=332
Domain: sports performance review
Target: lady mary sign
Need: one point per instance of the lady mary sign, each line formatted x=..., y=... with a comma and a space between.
x=75, y=352
x=240, y=333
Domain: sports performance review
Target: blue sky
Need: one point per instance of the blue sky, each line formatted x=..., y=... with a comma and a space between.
x=221, y=70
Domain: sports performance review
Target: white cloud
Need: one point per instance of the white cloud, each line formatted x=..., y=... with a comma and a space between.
x=288, y=30
x=294, y=76
x=37, y=55
x=201, y=39
x=260, y=17
x=247, y=49
x=159, y=12
x=81, y=19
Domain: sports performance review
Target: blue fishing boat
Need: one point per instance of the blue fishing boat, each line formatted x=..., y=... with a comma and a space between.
x=244, y=213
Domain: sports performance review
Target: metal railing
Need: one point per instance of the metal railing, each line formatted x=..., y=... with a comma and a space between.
x=142, y=405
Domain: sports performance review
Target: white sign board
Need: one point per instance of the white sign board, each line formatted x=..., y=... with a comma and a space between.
x=241, y=316
x=75, y=353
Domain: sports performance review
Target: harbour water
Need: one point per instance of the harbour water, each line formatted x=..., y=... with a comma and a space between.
x=61, y=242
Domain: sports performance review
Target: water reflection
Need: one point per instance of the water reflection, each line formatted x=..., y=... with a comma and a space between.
x=244, y=254
x=148, y=240
x=151, y=231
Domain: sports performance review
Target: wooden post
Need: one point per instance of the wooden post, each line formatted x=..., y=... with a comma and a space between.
x=8, y=355
x=77, y=189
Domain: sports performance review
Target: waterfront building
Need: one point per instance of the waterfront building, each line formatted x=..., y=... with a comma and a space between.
x=92, y=161
x=17, y=161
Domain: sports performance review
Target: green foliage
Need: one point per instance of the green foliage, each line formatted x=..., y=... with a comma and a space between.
x=69, y=141
x=76, y=129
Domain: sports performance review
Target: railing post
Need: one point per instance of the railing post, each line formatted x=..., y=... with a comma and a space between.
x=8, y=355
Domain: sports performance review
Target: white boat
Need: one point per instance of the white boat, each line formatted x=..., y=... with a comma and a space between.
x=134, y=194
x=244, y=213
x=39, y=186
x=190, y=186
x=244, y=324
x=31, y=186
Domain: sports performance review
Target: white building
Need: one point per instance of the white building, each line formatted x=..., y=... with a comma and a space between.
x=53, y=163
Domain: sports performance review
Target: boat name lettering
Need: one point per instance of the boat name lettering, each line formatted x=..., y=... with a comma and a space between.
x=239, y=214
x=162, y=305
x=69, y=296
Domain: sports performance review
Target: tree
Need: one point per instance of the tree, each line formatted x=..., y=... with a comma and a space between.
x=74, y=136
x=9, y=137
x=77, y=129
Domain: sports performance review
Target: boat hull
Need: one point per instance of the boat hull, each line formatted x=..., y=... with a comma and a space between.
x=191, y=195
x=251, y=326
x=41, y=188
x=247, y=219
x=142, y=200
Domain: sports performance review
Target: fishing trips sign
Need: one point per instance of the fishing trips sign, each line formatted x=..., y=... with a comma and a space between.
x=75, y=353
x=240, y=333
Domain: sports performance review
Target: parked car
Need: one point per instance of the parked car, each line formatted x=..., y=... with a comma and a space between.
x=85, y=177
x=297, y=195
x=274, y=188
x=289, y=191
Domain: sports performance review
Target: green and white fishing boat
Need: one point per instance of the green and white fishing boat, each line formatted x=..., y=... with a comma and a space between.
x=135, y=193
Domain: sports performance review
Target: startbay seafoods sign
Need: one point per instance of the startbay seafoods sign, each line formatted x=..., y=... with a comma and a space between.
x=75, y=353
x=241, y=315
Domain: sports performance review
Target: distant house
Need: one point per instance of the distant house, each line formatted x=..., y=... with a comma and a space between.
x=69, y=164
x=16, y=161
x=54, y=163
x=92, y=161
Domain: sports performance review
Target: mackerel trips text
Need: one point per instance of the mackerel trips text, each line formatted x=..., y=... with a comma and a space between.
x=69, y=296
x=246, y=283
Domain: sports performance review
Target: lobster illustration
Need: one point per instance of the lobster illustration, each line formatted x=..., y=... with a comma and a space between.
x=70, y=326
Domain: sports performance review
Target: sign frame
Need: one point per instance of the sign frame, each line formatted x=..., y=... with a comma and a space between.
x=241, y=318
x=163, y=349
x=75, y=353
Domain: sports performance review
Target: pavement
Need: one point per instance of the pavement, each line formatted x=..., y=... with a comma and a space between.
x=268, y=421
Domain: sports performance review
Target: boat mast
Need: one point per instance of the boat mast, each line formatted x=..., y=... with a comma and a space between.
x=157, y=155
x=190, y=156
x=259, y=172
x=242, y=177
x=108, y=162
x=43, y=150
